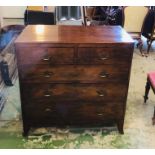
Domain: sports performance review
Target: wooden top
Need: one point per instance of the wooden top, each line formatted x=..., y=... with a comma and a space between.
x=73, y=34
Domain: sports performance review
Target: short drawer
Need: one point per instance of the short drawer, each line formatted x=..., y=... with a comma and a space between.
x=76, y=92
x=90, y=114
x=41, y=114
x=113, y=55
x=38, y=55
x=76, y=74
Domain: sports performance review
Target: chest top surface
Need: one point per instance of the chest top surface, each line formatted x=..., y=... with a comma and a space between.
x=73, y=34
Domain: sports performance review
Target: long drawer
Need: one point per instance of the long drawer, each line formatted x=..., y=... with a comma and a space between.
x=68, y=113
x=76, y=92
x=83, y=74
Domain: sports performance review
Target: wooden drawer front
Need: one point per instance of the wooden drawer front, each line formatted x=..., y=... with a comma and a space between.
x=75, y=92
x=46, y=56
x=104, y=55
x=42, y=114
x=73, y=73
x=90, y=114
x=78, y=111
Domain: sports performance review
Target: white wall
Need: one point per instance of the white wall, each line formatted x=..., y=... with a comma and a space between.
x=15, y=14
x=13, y=11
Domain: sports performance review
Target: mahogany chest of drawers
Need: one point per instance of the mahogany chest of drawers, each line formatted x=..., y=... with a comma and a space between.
x=73, y=75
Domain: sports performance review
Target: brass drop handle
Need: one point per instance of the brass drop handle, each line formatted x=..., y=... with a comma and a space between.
x=104, y=75
x=47, y=93
x=48, y=110
x=100, y=114
x=46, y=58
x=47, y=74
x=103, y=58
x=101, y=93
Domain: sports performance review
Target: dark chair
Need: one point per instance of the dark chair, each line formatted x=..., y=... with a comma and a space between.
x=151, y=36
x=102, y=15
x=133, y=21
x=148, y=24
x=150, y=84
x=39, y=17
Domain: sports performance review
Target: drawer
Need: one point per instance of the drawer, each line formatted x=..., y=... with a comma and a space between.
x=90, y=114
x=104, y=55
x=42, y=115
x=76, y=92
x=83, y=74
x=36, y=55
x=78, y=112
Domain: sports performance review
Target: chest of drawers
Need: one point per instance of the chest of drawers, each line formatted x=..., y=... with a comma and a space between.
x=73, y=76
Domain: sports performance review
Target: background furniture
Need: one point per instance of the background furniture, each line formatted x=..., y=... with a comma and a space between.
x=72, y=78
x=150, y=83
x=88, y=14
x=39, y=17
x=8, y=64
x=151, y=36
x=7, y=55
x=133, y=21
x=150, y=39
x=68, y=15
x=102, y=15
x=148, y=24
x=35, y=8
x=115, y=17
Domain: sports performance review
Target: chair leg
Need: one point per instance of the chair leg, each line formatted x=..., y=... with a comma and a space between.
x=140, y=46
x=147, y=88
x=149, y=46
x=148, y=40
x=153, y=118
